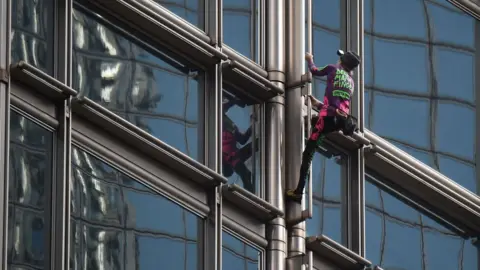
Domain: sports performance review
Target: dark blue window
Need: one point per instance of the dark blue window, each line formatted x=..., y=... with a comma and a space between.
x=154, y=92
x=400, y=237
x=420, y=82
x=119, y=223
x=31, y=156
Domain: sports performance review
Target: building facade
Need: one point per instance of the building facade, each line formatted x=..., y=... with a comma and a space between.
x=116, y=116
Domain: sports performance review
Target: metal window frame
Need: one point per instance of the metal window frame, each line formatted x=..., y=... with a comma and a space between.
x=238, y=232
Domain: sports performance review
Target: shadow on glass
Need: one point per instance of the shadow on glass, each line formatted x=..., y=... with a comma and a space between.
x=119, y=223
x=240, y=143
x=152, y=91
x=31, y=154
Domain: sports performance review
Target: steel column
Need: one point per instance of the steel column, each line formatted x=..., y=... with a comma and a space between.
x=294, y=139
x=5, y=25
x=356, y=183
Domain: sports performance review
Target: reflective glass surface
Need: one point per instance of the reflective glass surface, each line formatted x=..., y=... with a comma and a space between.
x=328, y=176
x=400, y=237
x=326, y=19
x=237, y=255
x=192, y=11
x=420, y=82
x=119, y=223
x=241, y=27
x=29, y=180
x=240, y=151
x=155, y=93
x=33, y=32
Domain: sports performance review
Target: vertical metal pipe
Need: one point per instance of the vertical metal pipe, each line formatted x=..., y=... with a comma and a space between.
x=309, y=103
x=5, y=28
x=295, y=68
x=274, y=133
x=356, y=187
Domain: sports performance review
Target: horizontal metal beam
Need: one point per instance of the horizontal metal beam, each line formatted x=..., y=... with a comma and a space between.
x=427, y=191
x=250, y=203
x=244, y=232
x=27, y=74
x=33, y=111
x=159, y=150
x=343, y=258
x=440, y=181
x=241, y=76
x=469, y=6
x=84, y=142
x=249, y=64
x=160, y=25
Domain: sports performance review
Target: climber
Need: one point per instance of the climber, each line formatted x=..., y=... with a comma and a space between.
x=334, y=112
x=233, y=159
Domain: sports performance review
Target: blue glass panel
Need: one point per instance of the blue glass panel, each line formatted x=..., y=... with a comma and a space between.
x=400, y=237
x=152, y=92
x=238, y=255
x=192, y=11
x=421, y=82
x=30, y=174
x=33, y=31
x=241, y=23
x=327, y=183
x=119, y=223
x=241, y=161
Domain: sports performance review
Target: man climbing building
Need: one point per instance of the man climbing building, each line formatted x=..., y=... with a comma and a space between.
x=233, y=159
x=334, y=113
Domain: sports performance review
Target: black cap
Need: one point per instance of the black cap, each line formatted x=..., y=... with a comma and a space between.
x=350, y=59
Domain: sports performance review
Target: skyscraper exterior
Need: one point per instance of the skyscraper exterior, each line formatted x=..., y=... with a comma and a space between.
x=163, y=134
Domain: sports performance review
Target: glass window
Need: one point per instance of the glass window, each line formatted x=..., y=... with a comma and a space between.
x=242, y=27
x=119, y=223
x=326, y=20
x=400, y=237
x=240, y=142
x=192, y=11
x=420, y=82
x=328, y=176
x=154, y=92
x=32, y=33
x=30, y=178
x=238, y=255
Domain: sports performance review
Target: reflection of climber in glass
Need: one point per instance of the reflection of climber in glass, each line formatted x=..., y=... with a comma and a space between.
x=233, y=159
x=334, y=112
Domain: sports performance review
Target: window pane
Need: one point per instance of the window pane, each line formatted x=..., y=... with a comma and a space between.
x=327, y=182
x=155, y=93
x=237, y=255
x=30, y=178
x=326, y=38
x=32, y=33
x=420, y=75
x=241, y=25
x=398, y=236
x=240, y=143
x=118, y=223
x=192, y=11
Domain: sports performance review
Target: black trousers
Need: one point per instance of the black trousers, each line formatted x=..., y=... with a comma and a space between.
x=240, y=168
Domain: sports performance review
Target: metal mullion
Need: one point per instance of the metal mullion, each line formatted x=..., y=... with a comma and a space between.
x=5, y=33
